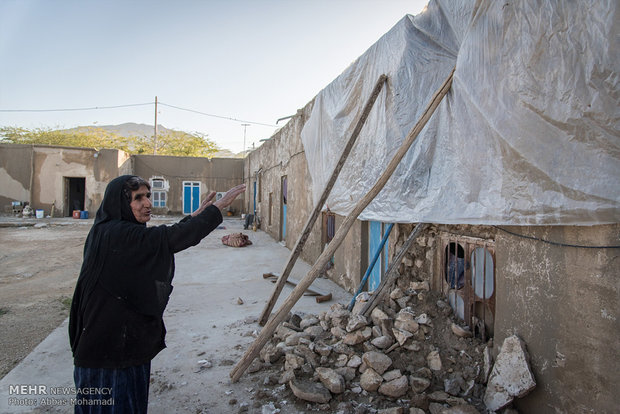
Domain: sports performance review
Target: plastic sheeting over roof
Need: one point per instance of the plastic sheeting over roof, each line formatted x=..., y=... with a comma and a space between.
x=528, y=134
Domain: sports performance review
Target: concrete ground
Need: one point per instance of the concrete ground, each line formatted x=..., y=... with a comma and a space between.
x=208, y=332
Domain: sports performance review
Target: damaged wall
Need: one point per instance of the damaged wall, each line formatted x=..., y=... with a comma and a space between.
x=283, y=156
x=15, y=172
x=215, y=174
x=38, y=174
x=564, y=303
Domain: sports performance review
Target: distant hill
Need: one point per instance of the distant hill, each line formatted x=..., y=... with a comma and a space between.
x=131, y=129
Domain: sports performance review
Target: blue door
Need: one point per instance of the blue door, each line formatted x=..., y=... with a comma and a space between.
x=191, y=196
x=376, y=230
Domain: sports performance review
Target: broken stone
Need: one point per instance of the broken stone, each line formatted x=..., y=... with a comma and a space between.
x=403, y=302
x=255, y=366
x=239, y=301
x=488, y=364
x=331, y=379
x=382, y=342
x=377, y=361
x=401, y=335
x=293, y=362
x=348, y=373
x=338, y=332
x=341, y=348
x=294, y=338
x=415, y=410
x=295, y=319
x=418, y=384
x=355, y=361
x=270, y=353
x=356, y=322
x=310, y=391
x=511, y=375
x=460, y=331
x=423, y=320
x=435, y=408
x=342, y=360
x=424, y=285
x=433, y=360
x=282, y=332
x=413, y=346
x=322, y=349
x=286, y=376
x=396, y=294
x=461, y=409
x=405, y=321
x=309, y=321
x=387, y=325
x=269, y=409
x=391, y=375
x=395, y=388
x=357, y=337
x=356, y=390
x=392, y=410
x=305, y=352
x=452, y=385
x=315, y=331
x=370, y=380
x=377, y=315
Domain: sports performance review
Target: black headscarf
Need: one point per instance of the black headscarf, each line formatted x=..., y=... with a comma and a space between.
x=128, y=260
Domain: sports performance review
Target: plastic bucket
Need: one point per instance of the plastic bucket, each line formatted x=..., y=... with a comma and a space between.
x=76, y=214
x=39, y=213
x=84, y=214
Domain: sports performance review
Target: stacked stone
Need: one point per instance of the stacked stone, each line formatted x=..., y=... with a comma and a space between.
x=341, y=351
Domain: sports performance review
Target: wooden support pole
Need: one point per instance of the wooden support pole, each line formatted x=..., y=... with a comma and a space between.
x=392, y=274
x=342, y=231
x=301, y=241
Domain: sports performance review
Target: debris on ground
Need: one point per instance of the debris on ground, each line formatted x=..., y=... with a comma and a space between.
x=409, y=355
x=236, y=240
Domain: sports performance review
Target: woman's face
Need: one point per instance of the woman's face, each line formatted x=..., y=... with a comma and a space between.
x=141, y=204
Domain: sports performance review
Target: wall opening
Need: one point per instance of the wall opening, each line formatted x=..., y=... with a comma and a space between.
x=270, y=209
x=283, y=206
x=467, y=273
x=75, y=194
x=328, y=230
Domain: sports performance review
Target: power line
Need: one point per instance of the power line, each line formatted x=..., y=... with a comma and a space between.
x=217, y=116
x=139, y=104
x=556, y=243
x=76, y=109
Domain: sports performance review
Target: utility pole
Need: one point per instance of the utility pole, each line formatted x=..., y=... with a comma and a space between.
x=244, y=128
x=155, y=143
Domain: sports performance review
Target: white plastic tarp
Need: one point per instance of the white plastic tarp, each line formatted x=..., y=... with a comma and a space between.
x=527, y=135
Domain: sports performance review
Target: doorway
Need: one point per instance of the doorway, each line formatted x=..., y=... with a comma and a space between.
x=284, y=202
x=191, y=196
x=75, y=194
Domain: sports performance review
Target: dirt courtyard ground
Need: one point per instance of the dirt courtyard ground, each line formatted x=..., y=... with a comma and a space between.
x=38, y=270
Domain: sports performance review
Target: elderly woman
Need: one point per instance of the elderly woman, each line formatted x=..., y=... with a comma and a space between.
x=116, y=325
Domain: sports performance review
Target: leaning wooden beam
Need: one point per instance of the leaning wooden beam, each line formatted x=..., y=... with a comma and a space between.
x=301, y=241
x=392, y=274
x=266, y=333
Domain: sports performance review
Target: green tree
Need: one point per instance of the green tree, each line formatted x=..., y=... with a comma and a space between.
x=176, y=143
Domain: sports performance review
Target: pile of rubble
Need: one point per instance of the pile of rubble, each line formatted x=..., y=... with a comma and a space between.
x=409, y=356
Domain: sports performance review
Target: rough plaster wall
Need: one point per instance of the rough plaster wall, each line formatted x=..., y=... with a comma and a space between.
x=51, y=165
x=564, y=303
x=283, y=155
x=216, y=174
x=15, y=173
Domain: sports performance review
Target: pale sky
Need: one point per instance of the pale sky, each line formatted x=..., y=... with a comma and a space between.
x=253, y=61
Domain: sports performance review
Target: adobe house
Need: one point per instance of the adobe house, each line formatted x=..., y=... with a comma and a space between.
x=64, y=179
x=517, y=173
